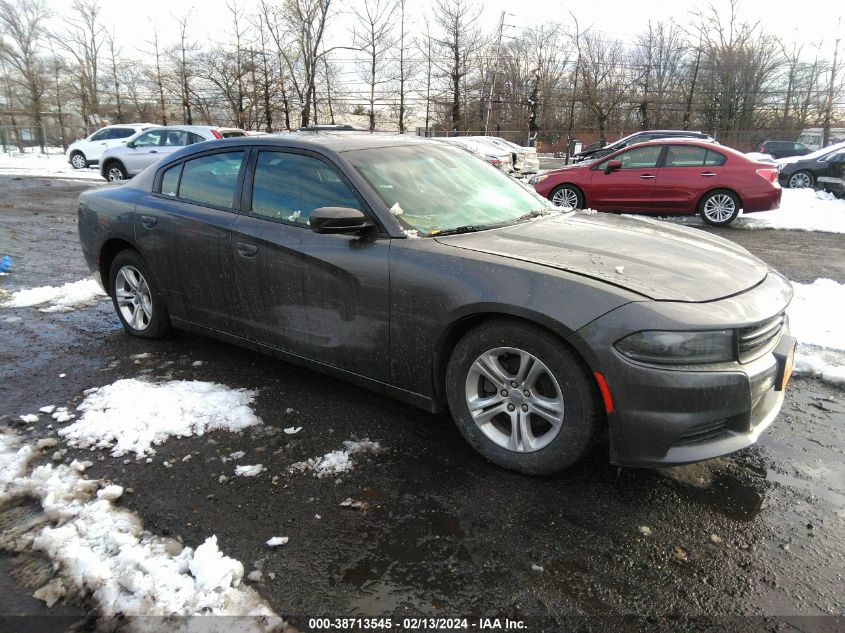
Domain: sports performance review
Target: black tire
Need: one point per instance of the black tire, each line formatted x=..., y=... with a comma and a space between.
x=581, y=404
x=115, y=172
x=78, y=160
x=719, y=207
x=567, y=192
x=153, y=320
x=801, y=180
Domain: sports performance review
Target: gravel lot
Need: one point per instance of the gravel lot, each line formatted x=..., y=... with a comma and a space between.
x=756, y=535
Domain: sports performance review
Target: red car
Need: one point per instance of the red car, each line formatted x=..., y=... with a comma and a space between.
x=666, y=177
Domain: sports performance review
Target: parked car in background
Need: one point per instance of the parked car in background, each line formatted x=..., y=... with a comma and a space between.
x=800, y=172
x=667, y=176
x=412, y=268
x=145, y=148
x=813, y=137
x=85, y=152
x=783, y=149
x=496, y=156
x=525, y=161
x=595, y=151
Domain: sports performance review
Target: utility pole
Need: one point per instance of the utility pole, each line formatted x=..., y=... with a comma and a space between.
x=574, y=88
x=495, y=68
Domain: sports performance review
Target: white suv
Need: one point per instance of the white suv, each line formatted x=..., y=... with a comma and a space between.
x=84, y=152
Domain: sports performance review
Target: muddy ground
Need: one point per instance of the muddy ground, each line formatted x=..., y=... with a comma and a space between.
x=445, y=533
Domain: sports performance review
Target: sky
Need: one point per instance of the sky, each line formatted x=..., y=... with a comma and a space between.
x=805, y=22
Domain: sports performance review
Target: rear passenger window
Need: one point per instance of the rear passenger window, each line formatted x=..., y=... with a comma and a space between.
x=714, y=159
x=170, y=180
x=685, y=156
x=211, y=179
x=177, y=138
x=289, y=187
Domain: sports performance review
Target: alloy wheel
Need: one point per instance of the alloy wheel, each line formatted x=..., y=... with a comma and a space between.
x=514, y=399
x=133, y=298
x=801, y=180
x=78, y=161
x=565, y=198
x=719, y=207
x=115, y=174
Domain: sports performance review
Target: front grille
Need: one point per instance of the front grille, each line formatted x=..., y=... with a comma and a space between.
x=703, y=433
x=756, y=340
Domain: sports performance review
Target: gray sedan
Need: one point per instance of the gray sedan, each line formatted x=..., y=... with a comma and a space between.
x=415, y=269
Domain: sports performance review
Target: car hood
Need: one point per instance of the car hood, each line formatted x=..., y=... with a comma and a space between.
x=655, y=259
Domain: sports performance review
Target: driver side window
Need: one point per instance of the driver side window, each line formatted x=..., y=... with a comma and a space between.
x=637, y=158
x=149, y=139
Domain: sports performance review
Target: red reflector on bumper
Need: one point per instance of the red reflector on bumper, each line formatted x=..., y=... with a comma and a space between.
x=605, y=392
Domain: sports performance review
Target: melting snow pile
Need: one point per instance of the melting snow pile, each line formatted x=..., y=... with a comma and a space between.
x=336, y=462
x=131, y=415
x=62, y=298
x=815, y=319
x=800, y=210
x=100, y=549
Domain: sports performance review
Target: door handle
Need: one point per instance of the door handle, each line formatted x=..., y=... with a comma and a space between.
x=153, y=151
x=709, y=174
x=247, y=250
x=148, y=221
x=646, y=176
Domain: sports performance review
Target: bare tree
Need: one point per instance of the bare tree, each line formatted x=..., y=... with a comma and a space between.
x=457, y=42
x=114, y=52
x=182, y=56
x=82, y=40
x=22, y=23
x=604, y=81
x=833, y=88
x=658, y=57
x=373, y=35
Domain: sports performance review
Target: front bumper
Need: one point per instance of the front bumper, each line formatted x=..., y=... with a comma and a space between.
x=663, y=416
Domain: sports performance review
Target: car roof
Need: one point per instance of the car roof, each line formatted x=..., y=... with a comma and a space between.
x=334, y=141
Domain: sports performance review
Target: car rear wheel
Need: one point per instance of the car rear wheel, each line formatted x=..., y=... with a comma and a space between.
x=115, y=172
x=521, y=398
x=77, y=160
x=567, y=197
x=136, y=298
x=719, y=208
x=801, y=180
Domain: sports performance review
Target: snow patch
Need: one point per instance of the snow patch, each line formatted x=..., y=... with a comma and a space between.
x=815, y=319
x=252, y=470
x=132, y=415
x=276, y=541
x=102, y=550
x=337, y=461
x=62, y=298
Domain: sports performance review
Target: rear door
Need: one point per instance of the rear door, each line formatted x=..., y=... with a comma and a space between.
x=183, y=231
x=323, y=297
x=629, y=188
x=687, y=171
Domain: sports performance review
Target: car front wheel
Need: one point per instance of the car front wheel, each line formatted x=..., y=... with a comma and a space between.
x=77, y=160
x=136, y=299
x=719, y=208
x=521, y=398
x=115, y=172
x=801, y=180
x=567, y=197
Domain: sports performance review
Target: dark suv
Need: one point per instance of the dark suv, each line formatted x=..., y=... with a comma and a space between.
x=782, y=149
x=596, y=150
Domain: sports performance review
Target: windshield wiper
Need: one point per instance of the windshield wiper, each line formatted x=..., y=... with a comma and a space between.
x=469, y=228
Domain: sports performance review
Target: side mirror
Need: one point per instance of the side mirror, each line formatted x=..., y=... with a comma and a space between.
x=338, y=220
x=130, y=144
x=612, y=165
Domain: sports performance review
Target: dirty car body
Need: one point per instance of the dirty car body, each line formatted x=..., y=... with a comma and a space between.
x=681, y=334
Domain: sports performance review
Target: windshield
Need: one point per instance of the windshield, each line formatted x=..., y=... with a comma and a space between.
x=436, y=188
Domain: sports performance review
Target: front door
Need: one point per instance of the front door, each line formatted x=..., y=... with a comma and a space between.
x=144, y=152
x=322, y=297
x=629, y=188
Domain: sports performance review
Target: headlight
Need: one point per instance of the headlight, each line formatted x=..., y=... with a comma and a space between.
x=679, y=348
x=534, y=180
